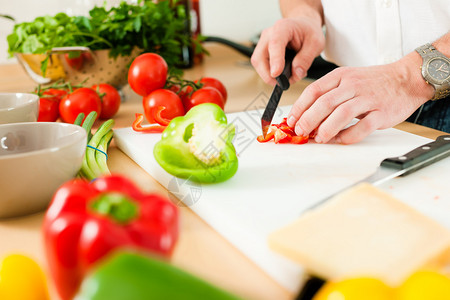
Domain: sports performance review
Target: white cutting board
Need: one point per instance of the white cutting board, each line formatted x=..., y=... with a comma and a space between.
x=276, y=182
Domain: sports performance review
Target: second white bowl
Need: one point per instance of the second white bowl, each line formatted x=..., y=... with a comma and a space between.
x=18, y=107
x=35, y=159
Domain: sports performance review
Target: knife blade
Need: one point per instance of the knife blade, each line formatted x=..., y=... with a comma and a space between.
x=403, y=165
x=282, y=85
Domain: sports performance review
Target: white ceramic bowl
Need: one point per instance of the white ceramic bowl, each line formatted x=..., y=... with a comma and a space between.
x=18, y=107
x=35, y=159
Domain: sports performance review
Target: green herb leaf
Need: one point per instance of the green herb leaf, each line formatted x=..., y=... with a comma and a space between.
x=44, y=65
x=7, y=17
x=150, y=26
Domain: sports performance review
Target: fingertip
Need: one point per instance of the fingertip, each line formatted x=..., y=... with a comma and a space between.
x=351, y=135
x=294, y=116
x=318, y=140
x=291, y=121
x=347, y=139
x=299, y=72
x=299, y=131
x=275, y=68
x=276, y=58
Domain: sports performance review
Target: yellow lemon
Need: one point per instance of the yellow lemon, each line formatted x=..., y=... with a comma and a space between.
x=425, y=285
x=355, y=289
x=21, y=278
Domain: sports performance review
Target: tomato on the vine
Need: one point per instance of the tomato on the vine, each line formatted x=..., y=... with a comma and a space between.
x=110, y=98
x=48, y=110
x=49, y=105
x=82, y=100
x=74, y=62
x=184, y=93
x=148, y=72
x=210, y=82
x=204, y=95
x=162, y=98
x=215, y=83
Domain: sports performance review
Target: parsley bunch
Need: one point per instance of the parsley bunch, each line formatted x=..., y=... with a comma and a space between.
x=151, y=26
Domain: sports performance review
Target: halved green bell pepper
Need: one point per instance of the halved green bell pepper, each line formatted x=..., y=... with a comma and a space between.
x=198, y=146
x=133, y=276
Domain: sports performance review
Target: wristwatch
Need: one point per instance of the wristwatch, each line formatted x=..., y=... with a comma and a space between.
x=435, y=70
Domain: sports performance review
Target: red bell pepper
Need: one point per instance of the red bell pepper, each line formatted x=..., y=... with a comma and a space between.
x=86, y=221
x=269, y=137
x=157, y=116
x=283, y=134
x=150, y=129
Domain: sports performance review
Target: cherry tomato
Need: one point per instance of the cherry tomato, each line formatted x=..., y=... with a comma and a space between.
x=355, y=289
x=110, y=99
x=424, y=285
x=204, y=95
x=215, y=83
x=49, y=105
x=82, y=100
x=148, y=72
x=210, y=82
x=74, y=62
x=166, y=98
x=184, y=94
x=48, y=110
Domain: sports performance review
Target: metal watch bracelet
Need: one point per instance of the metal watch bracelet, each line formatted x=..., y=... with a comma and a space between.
x=427, y=52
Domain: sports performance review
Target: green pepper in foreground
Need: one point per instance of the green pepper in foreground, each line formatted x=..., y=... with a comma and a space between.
x=198, y=146
x=132, y=276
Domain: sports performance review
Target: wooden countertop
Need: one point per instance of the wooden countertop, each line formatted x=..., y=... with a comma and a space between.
x=200, y=249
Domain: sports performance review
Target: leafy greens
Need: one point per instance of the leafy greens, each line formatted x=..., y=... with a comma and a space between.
x=151, y=26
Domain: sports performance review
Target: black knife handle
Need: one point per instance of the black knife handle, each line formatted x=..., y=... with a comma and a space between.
x=421, y=156
x=311, y=287
x=283, y=78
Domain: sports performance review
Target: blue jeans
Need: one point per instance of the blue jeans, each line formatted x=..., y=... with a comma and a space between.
x=434, y=114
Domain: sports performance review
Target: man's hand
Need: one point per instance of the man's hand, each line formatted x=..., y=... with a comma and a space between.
x=303, y=34
x=380, y=96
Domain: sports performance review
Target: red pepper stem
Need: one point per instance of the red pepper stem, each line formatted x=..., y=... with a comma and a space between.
x=116, y=206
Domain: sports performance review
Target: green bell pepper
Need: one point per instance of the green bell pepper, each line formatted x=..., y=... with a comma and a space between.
x=132, y=276
x=198, y=146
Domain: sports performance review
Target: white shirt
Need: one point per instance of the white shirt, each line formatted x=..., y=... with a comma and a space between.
x=374, y=32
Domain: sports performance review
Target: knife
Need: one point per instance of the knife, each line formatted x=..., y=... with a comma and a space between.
x=403, y=165
x=282, y=85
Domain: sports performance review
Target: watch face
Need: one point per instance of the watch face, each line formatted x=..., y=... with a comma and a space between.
x=439, y=69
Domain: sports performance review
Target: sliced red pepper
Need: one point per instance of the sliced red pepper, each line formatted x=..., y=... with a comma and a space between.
x=269, y=136
x=137, y=125
x=282, y=134
x=156, y=112
x=287, y=129
x=298, y=139
x=281, y=137
x=88, y=220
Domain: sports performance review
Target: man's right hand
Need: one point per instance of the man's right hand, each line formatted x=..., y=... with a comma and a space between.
x=303, y=34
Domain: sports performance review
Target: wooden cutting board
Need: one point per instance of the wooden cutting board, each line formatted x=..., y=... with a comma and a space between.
x=275, y=183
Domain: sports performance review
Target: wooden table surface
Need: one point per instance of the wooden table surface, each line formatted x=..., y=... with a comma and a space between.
x=200, y=249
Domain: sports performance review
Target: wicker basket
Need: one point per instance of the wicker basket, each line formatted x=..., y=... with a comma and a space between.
x=95, y=67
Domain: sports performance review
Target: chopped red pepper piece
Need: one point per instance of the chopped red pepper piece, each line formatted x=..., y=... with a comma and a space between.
x=88, y=220
x=269, y=136
x=282, y=134
x=298, y=139
x=282, y=137
x=156, y=112
x=150, y=129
